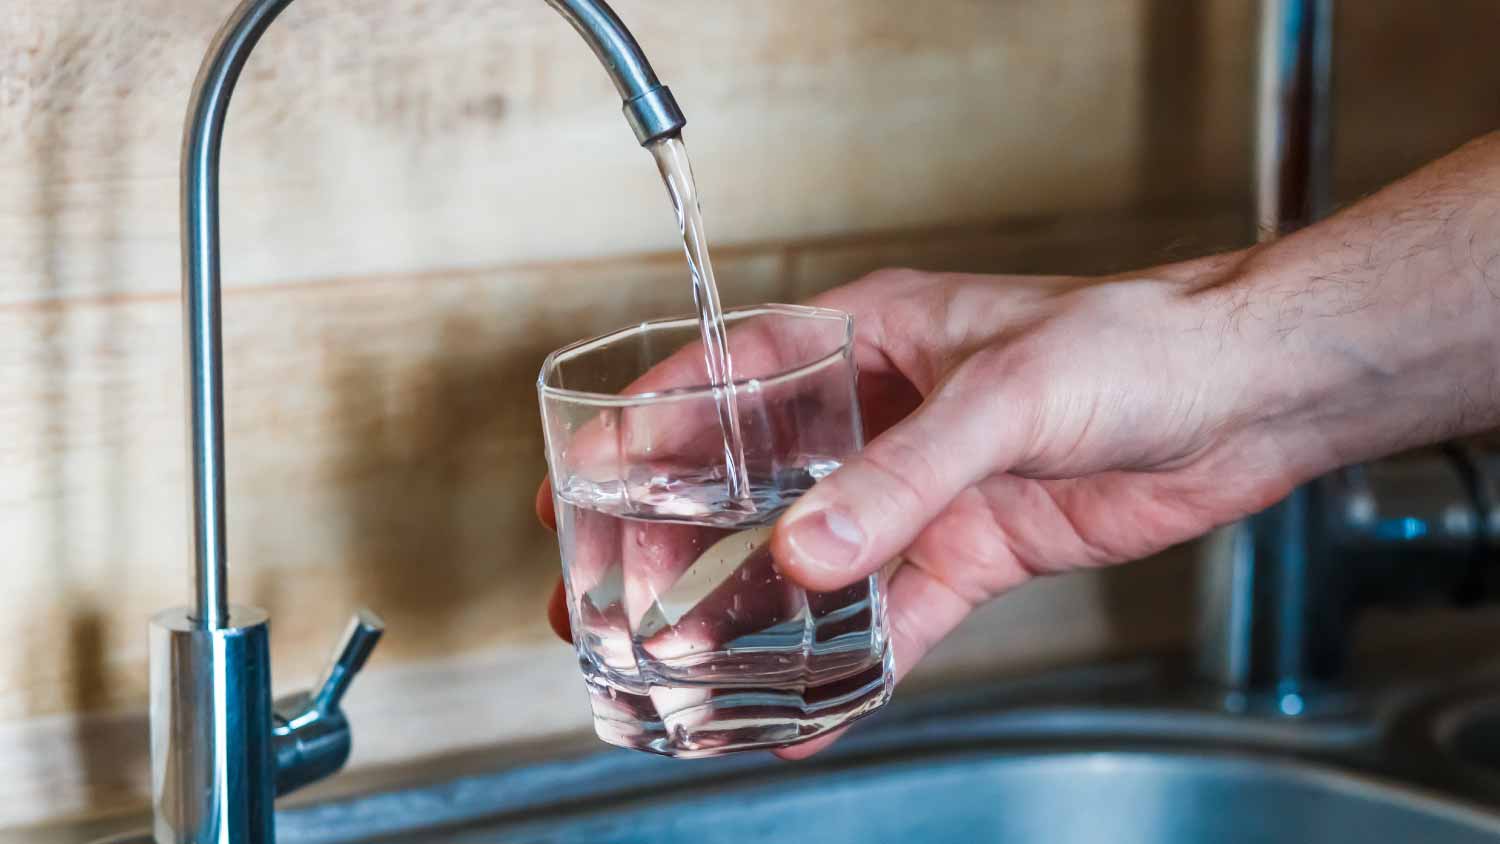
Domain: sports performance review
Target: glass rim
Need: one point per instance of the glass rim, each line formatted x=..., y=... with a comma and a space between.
x=550, y=363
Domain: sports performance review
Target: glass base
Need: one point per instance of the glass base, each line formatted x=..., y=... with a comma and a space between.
x=694, y=722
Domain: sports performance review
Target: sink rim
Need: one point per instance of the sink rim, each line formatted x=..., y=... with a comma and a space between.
x=589, y=782
x=1183, y=766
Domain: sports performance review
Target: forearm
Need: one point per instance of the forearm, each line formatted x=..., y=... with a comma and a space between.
x=1379, y=328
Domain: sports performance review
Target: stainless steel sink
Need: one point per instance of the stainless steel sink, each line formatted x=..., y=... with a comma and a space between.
x=1143, y=758
x=1027, y=798
x=1120, y=797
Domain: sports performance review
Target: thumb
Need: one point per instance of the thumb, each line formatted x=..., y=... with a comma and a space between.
x=874, y=506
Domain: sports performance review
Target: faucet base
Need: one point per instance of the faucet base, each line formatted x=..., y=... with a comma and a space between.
x=211, y=761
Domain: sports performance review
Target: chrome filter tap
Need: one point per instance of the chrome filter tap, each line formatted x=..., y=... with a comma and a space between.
x=221, y=750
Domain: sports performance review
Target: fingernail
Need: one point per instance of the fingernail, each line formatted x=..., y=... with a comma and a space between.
x=826, y=540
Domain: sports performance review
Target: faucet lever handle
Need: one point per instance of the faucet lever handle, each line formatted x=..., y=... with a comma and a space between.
x=359, y=639
x=310, y=736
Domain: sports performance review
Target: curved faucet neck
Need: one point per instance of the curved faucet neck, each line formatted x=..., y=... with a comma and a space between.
x=649, y=109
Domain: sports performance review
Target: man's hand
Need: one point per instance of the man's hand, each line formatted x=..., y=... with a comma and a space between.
x=1025, y=426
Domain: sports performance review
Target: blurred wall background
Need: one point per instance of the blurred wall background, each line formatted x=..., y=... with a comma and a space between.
x=423, y=197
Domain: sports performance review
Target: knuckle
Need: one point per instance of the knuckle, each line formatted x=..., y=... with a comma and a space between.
x=897, y=277
x=873, y=293
x=907, y=627
x=908, y=475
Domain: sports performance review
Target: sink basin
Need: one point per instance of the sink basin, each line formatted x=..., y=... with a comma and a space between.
x=1018, y=763
x=1144, y=760
x=1026, y=797
x=1020, y=797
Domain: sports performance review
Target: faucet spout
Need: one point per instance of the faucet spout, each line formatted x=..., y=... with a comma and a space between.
x=649, y=107
x=215, y=767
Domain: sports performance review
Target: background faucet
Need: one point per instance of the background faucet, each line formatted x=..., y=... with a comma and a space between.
x=220, y=750
x=1280, y=590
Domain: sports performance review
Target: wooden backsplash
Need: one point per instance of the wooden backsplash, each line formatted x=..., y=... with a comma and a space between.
x=422, y=197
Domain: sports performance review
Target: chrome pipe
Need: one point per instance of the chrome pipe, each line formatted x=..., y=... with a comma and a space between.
x=202, y=318
x=1264, y=620
x=1294, y=115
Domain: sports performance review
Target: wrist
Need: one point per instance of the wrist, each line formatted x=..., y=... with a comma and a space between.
x=1375, y=330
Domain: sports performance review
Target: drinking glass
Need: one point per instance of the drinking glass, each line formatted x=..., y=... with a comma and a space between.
x=691, y=640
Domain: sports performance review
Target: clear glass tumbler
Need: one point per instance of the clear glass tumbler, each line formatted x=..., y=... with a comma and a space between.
x=692, y=642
